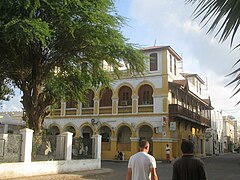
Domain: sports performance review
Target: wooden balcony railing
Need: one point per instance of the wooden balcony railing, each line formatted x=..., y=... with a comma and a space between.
x=177, y=110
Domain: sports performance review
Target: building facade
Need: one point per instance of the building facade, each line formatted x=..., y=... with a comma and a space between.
x=164, y=106
x=228, y=132
x=214, y=143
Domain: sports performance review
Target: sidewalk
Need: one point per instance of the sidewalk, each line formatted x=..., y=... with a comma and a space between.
x=67, y=176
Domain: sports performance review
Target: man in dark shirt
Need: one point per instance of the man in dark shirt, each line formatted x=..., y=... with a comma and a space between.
x=188, y=167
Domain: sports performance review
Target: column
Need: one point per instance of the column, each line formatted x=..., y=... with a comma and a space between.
x=97, y=144
x=114, y=146
x=60, y=147
x=26, y=149
x=79, y=109
x=134, y=104
x=5, y=131
x=114, y=105
x=68, y=145
x=134, y=144
x=96, y=106
x=63, y=108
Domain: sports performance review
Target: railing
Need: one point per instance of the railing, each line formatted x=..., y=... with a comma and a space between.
x=124, y=109
x=175, y=110
x=145, y=108
x=87, y=111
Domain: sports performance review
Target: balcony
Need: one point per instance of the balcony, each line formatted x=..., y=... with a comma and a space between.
x=176, y=110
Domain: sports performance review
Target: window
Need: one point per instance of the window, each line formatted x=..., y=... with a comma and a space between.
x=153, y=62
x=145, y=95
x=175, y=67
x=125, y=96
x=173, y=98
x=106, y=97
x=170, y=63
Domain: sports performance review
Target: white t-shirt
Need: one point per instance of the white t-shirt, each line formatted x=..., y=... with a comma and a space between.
x=168, y=150
x=140, y=163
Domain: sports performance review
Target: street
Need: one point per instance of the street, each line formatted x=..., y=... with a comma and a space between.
x=224, y=167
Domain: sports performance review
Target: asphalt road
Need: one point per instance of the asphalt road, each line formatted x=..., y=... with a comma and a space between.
x=223, y=167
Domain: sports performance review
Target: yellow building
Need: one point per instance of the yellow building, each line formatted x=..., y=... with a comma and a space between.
x=164, y=106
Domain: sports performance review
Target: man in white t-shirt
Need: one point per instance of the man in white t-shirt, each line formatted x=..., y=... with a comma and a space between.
x=168, y=149
x=142, y=166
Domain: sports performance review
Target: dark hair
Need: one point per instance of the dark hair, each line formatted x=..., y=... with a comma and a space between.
x=187, y=146
x=143, y=143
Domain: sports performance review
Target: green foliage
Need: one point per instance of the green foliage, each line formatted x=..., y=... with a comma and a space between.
x=226, y=14
x=6, y=91
x=55, y=49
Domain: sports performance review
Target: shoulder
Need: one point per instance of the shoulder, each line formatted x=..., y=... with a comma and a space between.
x=177, y=161
x=198, y=160
x=151, y=157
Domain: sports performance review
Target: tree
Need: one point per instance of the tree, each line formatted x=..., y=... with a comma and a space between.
x=6, y=91
x=226, y=14
x=54, y=50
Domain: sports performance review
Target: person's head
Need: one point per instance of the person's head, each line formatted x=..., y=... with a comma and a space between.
x=144, y=145
x=167, y=145
x=187, y=147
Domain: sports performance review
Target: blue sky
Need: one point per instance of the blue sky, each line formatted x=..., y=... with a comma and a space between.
x=169, y=22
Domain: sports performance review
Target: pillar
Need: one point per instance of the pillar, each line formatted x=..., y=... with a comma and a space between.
x=96, y=106
x=114, y=105
x=97, y=144
x=26, y=149
x=63, y=108
x=5, y=130
x=68, y=145
x=134, y=104
x=134, y=144
x=114, y=145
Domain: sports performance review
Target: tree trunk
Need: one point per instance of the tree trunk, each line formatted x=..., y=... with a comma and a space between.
x=35, y=111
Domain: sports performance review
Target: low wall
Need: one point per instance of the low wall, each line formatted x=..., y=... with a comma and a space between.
x=12, y=170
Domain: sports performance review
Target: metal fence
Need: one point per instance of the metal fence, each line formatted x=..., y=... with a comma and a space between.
x=10, y=147
x=82, y=148
x=48, y=147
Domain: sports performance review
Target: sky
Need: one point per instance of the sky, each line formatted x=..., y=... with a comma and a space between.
x=170, y=22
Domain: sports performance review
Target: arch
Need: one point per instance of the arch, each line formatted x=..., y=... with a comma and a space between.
x=124, y=124
x=143, y=83
x=124, y=84
x=124, y=134
x=105, y=132
x=86, y=124
x=70, y=128
x=55, y=124
x=143, y=124
x=54, y=130
x=146, y=132
x=145, y=94
x=125, y=96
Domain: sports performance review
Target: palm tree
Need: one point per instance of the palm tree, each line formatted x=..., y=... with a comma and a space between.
x=226, y=14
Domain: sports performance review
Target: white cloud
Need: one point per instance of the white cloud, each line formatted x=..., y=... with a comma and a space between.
x=171, y=22
x=190, y=26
